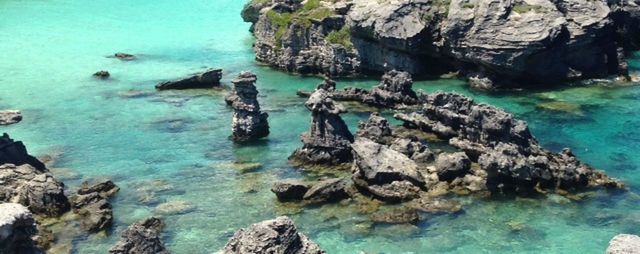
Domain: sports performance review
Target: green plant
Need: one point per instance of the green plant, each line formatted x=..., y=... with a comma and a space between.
x=342, y=37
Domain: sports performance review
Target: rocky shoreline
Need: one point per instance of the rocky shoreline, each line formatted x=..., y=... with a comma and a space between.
x=492, y=43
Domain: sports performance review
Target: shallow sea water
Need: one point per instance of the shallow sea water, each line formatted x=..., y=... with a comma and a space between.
x=176, y=142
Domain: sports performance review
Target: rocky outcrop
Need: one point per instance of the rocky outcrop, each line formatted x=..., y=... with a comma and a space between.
x=328, y=141
x=376, y=128
x=92, y=204
x=249, y=123
x=394, y=91
x=207, y=79
x=17, y=228
x=502, y=145
x=385, y=173
x=290, y=190
x=10, y=117
x=624, y=244
x=452, y=166
x=14, y=152
x=516, y=42
x=35, y=189
x=277, y=236
x=320, y=192
x=141, y=238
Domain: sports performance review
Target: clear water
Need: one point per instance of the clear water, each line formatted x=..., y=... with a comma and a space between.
x=49, y=49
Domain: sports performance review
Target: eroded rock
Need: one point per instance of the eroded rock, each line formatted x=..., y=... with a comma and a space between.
x=141, y=238
x=207, y=79
x=14, y=152
x=624, y=244
x=35, y=189
x=17, y=228
x=10, y=117
x=249, y=123
x=290, y=190
x=92, y=204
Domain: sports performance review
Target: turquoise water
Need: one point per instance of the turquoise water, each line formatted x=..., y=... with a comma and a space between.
x=176, y=142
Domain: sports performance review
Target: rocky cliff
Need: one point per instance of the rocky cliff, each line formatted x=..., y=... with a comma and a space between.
x=516, y=42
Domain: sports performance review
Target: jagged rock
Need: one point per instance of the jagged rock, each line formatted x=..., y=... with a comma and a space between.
x=453, y=165
x=414, y=149
x=17, y=227
x=124, y=56
x=141, y=238
x=277, y=236
x=376, y=128
x=396, y=216
x=385, y=173
x=326, y=191
x=393, y=90
x=35, y=189
x=624, y=244
x=102, y=74
x=290, y=190
x=14, y=152
x=516, y=42
x=249, y=123
x=207, y=79
x=328, y=140
x=10, y=117
x=92, y=204
x=503, y=146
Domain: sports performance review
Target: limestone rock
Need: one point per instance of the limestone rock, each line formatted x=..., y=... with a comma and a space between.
x=290, y=190
x=325, y=191
x=37, y=190
x=141, y=238
x=278, y=236
x=624, y=244
x=249, y=123
x=92, y=204
x=10, y=117
x=452, y=166
x=14, y=152
x=17, y=227
x=207, y=79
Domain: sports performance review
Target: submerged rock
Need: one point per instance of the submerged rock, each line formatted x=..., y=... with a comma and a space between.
x=124, y=56
x=14, y=152
x=624, y=244
x=207, y=79
x=17, y=228
x=141, y=238
x=249, y=123
x=92, y=204
x=277, y=236
x=10, y=117
x=37, y=190
x=102, y=74
x=396, y=216
x=328, y=141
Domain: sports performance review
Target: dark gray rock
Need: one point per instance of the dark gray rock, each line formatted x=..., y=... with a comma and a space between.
x=35, y=189
x=326, y=191
x=124, y=56
x=92, y=204
x=290, y=190
x=452, y=165
x=102, y=74
x=141, y=238
x=279, y=236
x=249, y=123
x=17, y=228
x=624, y=244
x=376, y=128
x=14, y=152
x=10, y=117
x=414, y=149
x=207, y=79
x=328, y=141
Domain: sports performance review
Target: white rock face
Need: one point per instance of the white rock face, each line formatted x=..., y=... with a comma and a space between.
x=17, y=226
x=624, y=244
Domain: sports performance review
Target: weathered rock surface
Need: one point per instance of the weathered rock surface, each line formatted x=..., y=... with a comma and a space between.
x=17, y=228
x=207, y=79
x=452, y=166
x=278, y=236
x=249, y=123
x=376, y=128
x=10, y=117
x=92, y=204
x=328, y=141
x=503, y=146
x=35, y=189
x=14, y=152
x=326, y=191
x=141, y=238
x=396, y=216
x=528, y=42
x=624, y=244
x=385, y=173
x=290, y=190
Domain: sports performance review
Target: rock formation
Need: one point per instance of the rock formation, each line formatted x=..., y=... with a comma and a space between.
x=10, y=117
x=328, y=141
x=502, y=145
x=249, y=123
x=277, y=236
x=17, y=228
x=14, y=152
x=207, y=79
x=35, y=189
x=102, y=74
x=320, y=192
x=624, y=244
x=290, y=190
x=141, y=238
x=516, y=42
x=124, y=56
x=376, y=128
x=92, y=204
x=394, y=91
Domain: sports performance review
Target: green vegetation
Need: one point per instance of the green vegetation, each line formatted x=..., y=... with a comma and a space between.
x=524, y=8
x=342, y=37
x=311, y=10
x=468, y=5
